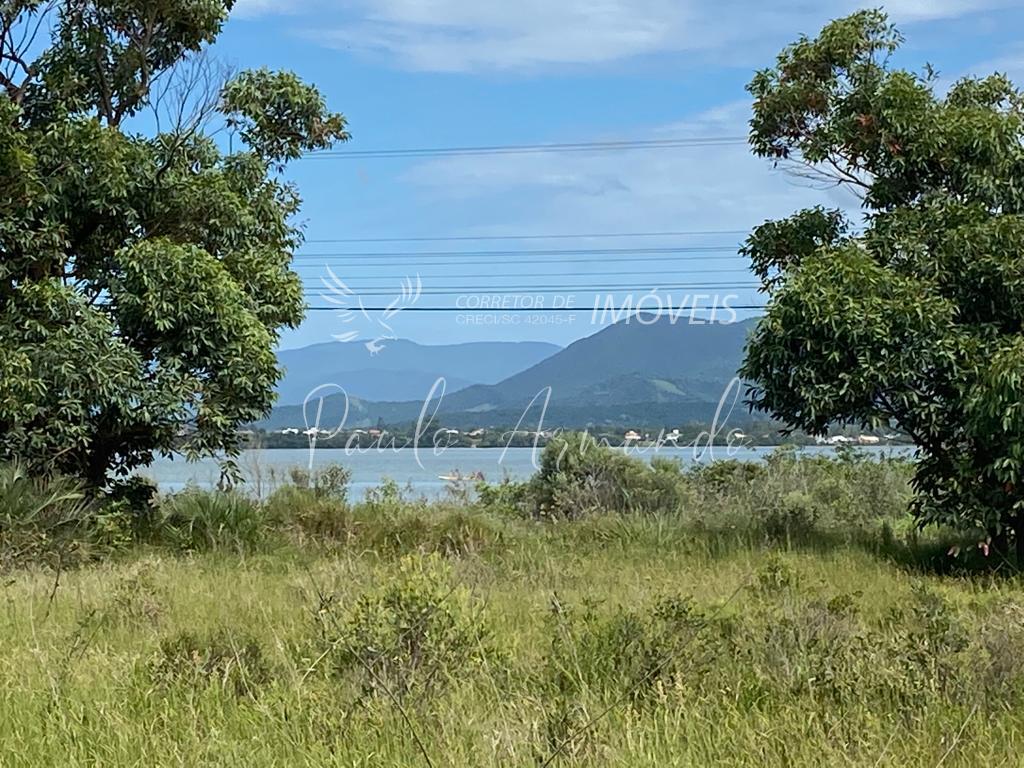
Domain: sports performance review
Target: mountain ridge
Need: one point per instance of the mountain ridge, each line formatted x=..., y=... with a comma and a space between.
x=403, y=370
x=634, y=373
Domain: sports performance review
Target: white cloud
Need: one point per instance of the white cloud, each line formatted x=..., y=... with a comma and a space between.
x=473, y=35
x=252, y=8
x=1010, y=63
x=929, y=10
x=705, y=188
x=461, y=35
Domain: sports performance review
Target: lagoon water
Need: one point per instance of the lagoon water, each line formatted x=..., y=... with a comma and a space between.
x=421, y=470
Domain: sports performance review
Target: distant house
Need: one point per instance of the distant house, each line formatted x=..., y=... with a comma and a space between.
x=290, y=431
x=673, y=436
x=869, y=440
x=477, y=433
x=840, y=440
x=632, y=437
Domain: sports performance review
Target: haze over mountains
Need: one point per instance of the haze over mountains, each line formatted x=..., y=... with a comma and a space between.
x=653, y=373
x=403, y=370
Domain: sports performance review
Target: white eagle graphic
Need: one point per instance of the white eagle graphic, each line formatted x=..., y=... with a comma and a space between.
x=379, y=328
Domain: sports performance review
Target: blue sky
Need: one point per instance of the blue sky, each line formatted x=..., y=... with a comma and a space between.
x=444, y=73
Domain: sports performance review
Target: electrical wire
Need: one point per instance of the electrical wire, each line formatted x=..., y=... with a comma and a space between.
x=518, y=149
x=553, y=236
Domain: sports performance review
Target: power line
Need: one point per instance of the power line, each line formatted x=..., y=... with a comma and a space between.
x=597, y=292
x=560, y=236
x=545, y=310
x=732, y=249
x=536, y=289
x=535, y=251
x=628, y=272
x=516, y=149
x=360, y=263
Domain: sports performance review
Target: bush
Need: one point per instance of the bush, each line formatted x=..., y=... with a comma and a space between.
x=331, y=482
x=506, y=497
x=43, y=518
x=579, y=476
x=235, y=663
x=388, y=497
x=448, y=531
x=727, y=475
x=416, y=635
x=630, y=653
x=130, y=507
x=794, y=498
x=309, y=516
x=209, y=520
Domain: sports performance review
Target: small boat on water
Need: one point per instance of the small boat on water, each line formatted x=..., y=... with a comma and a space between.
x=458, y=477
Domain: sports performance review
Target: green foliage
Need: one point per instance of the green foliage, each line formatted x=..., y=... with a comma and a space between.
x=387, y=498
x=917, y=321
x=417, y=528
x=42, y=518
x=633, y=653
x=416, y=635
x=790, y=498
x=279, y=116
x=234, y=663
x=332, y=482
x=312, y=517
x=683, y=649
x=200, y=520
x=579, y=476
x=145, y=279
x=506, y=497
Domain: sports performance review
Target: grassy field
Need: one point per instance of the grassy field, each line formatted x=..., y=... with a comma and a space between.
x=458, y=634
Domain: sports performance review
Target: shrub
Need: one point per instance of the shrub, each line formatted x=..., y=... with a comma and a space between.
x=452, y=532
x=310, y=516
x=331, y=482
x=137, y=598
x=579, y=476
x=415, y=635
x=235, y=663
x=114, y=527
x=794, y=517
x=628, y=652
x=728, y=474
x=206, y=520
x=42, y=518
x=387, y=497
x=130, y=507
x=792, y=497
x=506, y=497
x=138, y=493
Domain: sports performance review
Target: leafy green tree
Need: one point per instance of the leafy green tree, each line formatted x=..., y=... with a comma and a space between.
x=144, y=275
x=913, y=315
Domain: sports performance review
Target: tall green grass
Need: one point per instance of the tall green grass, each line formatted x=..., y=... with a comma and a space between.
x=735, y=615
x=632, y=647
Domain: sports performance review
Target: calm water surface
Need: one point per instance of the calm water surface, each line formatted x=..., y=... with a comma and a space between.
x=422, y=470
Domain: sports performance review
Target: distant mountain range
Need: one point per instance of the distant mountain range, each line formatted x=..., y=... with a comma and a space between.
x=404, y=370
x=652, y=373
x=655, y=361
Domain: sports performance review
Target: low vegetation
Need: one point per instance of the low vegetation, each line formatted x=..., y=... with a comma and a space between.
x=606, y=613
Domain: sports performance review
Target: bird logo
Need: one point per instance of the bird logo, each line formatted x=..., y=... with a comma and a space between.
x=353, y=312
